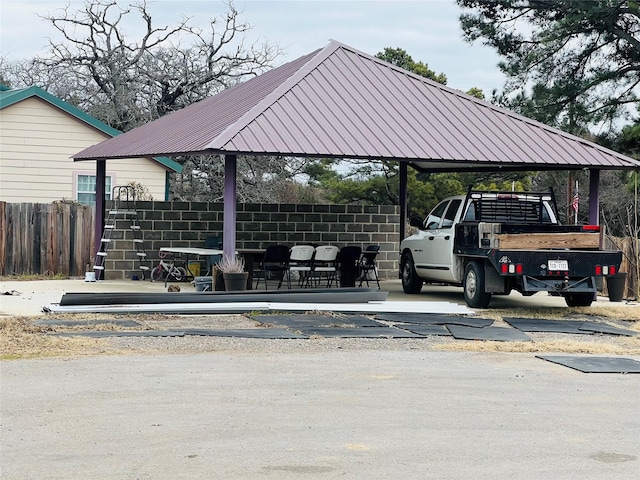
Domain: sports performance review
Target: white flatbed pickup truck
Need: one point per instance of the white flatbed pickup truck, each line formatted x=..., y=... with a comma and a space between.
x=491, y=243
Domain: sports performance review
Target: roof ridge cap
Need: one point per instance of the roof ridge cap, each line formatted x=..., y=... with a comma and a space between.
x=236, y=127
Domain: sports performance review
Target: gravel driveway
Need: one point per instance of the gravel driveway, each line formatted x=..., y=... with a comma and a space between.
x=334, y=414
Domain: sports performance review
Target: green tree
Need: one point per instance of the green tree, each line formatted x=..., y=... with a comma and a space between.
x=570, y=63
x=377, y=182
x=400, y=58
x=628, y=142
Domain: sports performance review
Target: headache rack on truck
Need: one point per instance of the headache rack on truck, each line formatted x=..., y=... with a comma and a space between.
x=492, y=206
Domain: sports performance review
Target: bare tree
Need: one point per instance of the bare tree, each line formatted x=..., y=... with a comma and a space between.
x=261, y=179
x=126, y=82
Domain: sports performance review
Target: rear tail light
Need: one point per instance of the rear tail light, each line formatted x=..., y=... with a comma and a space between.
x=511, y=268
x=605, y=270
x=591, y=228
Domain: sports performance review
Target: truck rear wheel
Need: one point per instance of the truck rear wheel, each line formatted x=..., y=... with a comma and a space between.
x=411, y=283
x=578, y=299
x=474, y=293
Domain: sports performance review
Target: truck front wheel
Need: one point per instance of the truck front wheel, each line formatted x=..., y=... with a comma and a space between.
x=474, y=293
x=411, y=283
x=578, y=299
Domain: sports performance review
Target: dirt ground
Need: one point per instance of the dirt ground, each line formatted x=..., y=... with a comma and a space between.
x=21, y=303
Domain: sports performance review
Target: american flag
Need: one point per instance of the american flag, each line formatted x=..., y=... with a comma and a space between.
x=576, y=199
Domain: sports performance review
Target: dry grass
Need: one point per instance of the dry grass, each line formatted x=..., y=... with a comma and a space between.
x=612, y=311
x=622, y=346
x=19, y=338
x=622, y=316
x=609, y=311
x=34, y=276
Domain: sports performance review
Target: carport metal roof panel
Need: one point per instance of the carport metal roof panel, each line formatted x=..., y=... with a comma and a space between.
x=339, y=102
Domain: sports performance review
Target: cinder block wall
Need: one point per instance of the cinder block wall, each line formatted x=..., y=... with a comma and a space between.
x=188, y=224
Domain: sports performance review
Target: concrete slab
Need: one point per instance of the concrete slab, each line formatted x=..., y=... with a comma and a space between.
x=370, y=414
x=33, y=295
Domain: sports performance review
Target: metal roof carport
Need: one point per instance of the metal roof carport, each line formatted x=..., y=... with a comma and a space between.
x=337, y=102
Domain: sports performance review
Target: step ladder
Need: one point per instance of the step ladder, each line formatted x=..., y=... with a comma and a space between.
x=124, y=207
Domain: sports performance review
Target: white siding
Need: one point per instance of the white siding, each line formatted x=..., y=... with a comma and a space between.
x=36, y=143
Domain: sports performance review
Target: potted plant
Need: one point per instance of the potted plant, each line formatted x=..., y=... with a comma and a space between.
x=232, y=268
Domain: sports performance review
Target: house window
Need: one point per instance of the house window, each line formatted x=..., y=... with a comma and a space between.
x=86, y=189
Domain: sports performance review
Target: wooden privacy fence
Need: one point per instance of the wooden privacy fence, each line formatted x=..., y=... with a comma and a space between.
x=49, y=239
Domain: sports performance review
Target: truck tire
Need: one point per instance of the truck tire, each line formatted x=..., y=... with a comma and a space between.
x=474, y=293
x=411, y=282
x=578, y=299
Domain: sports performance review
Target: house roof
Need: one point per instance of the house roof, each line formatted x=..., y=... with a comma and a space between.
x=341, y=103
x=10, y=97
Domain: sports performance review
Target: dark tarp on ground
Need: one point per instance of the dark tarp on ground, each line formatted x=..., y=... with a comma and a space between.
x=592, y=364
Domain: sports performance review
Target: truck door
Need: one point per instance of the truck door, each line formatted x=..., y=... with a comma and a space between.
x=433, y=250
x=439, y=251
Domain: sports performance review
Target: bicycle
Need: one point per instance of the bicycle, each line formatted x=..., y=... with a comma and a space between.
x=167, y=270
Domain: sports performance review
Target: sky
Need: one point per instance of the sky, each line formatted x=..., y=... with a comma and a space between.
x=427, y=29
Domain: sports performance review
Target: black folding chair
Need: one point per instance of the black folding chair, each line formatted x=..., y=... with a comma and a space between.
x=348, y=265
x=368, y=265
x=274, y=262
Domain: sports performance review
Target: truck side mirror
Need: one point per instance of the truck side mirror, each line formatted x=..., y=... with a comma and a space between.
x=416, y=221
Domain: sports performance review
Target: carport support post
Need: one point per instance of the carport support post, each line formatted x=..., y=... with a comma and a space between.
x=229, y=219
x=594, y=198
x=402, y=194
x=402, y=197
x=101, y=179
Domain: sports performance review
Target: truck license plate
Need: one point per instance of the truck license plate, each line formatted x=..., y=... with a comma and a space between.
x=558, y=265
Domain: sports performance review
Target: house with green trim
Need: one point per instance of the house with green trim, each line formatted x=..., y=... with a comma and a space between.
x=38, y=135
